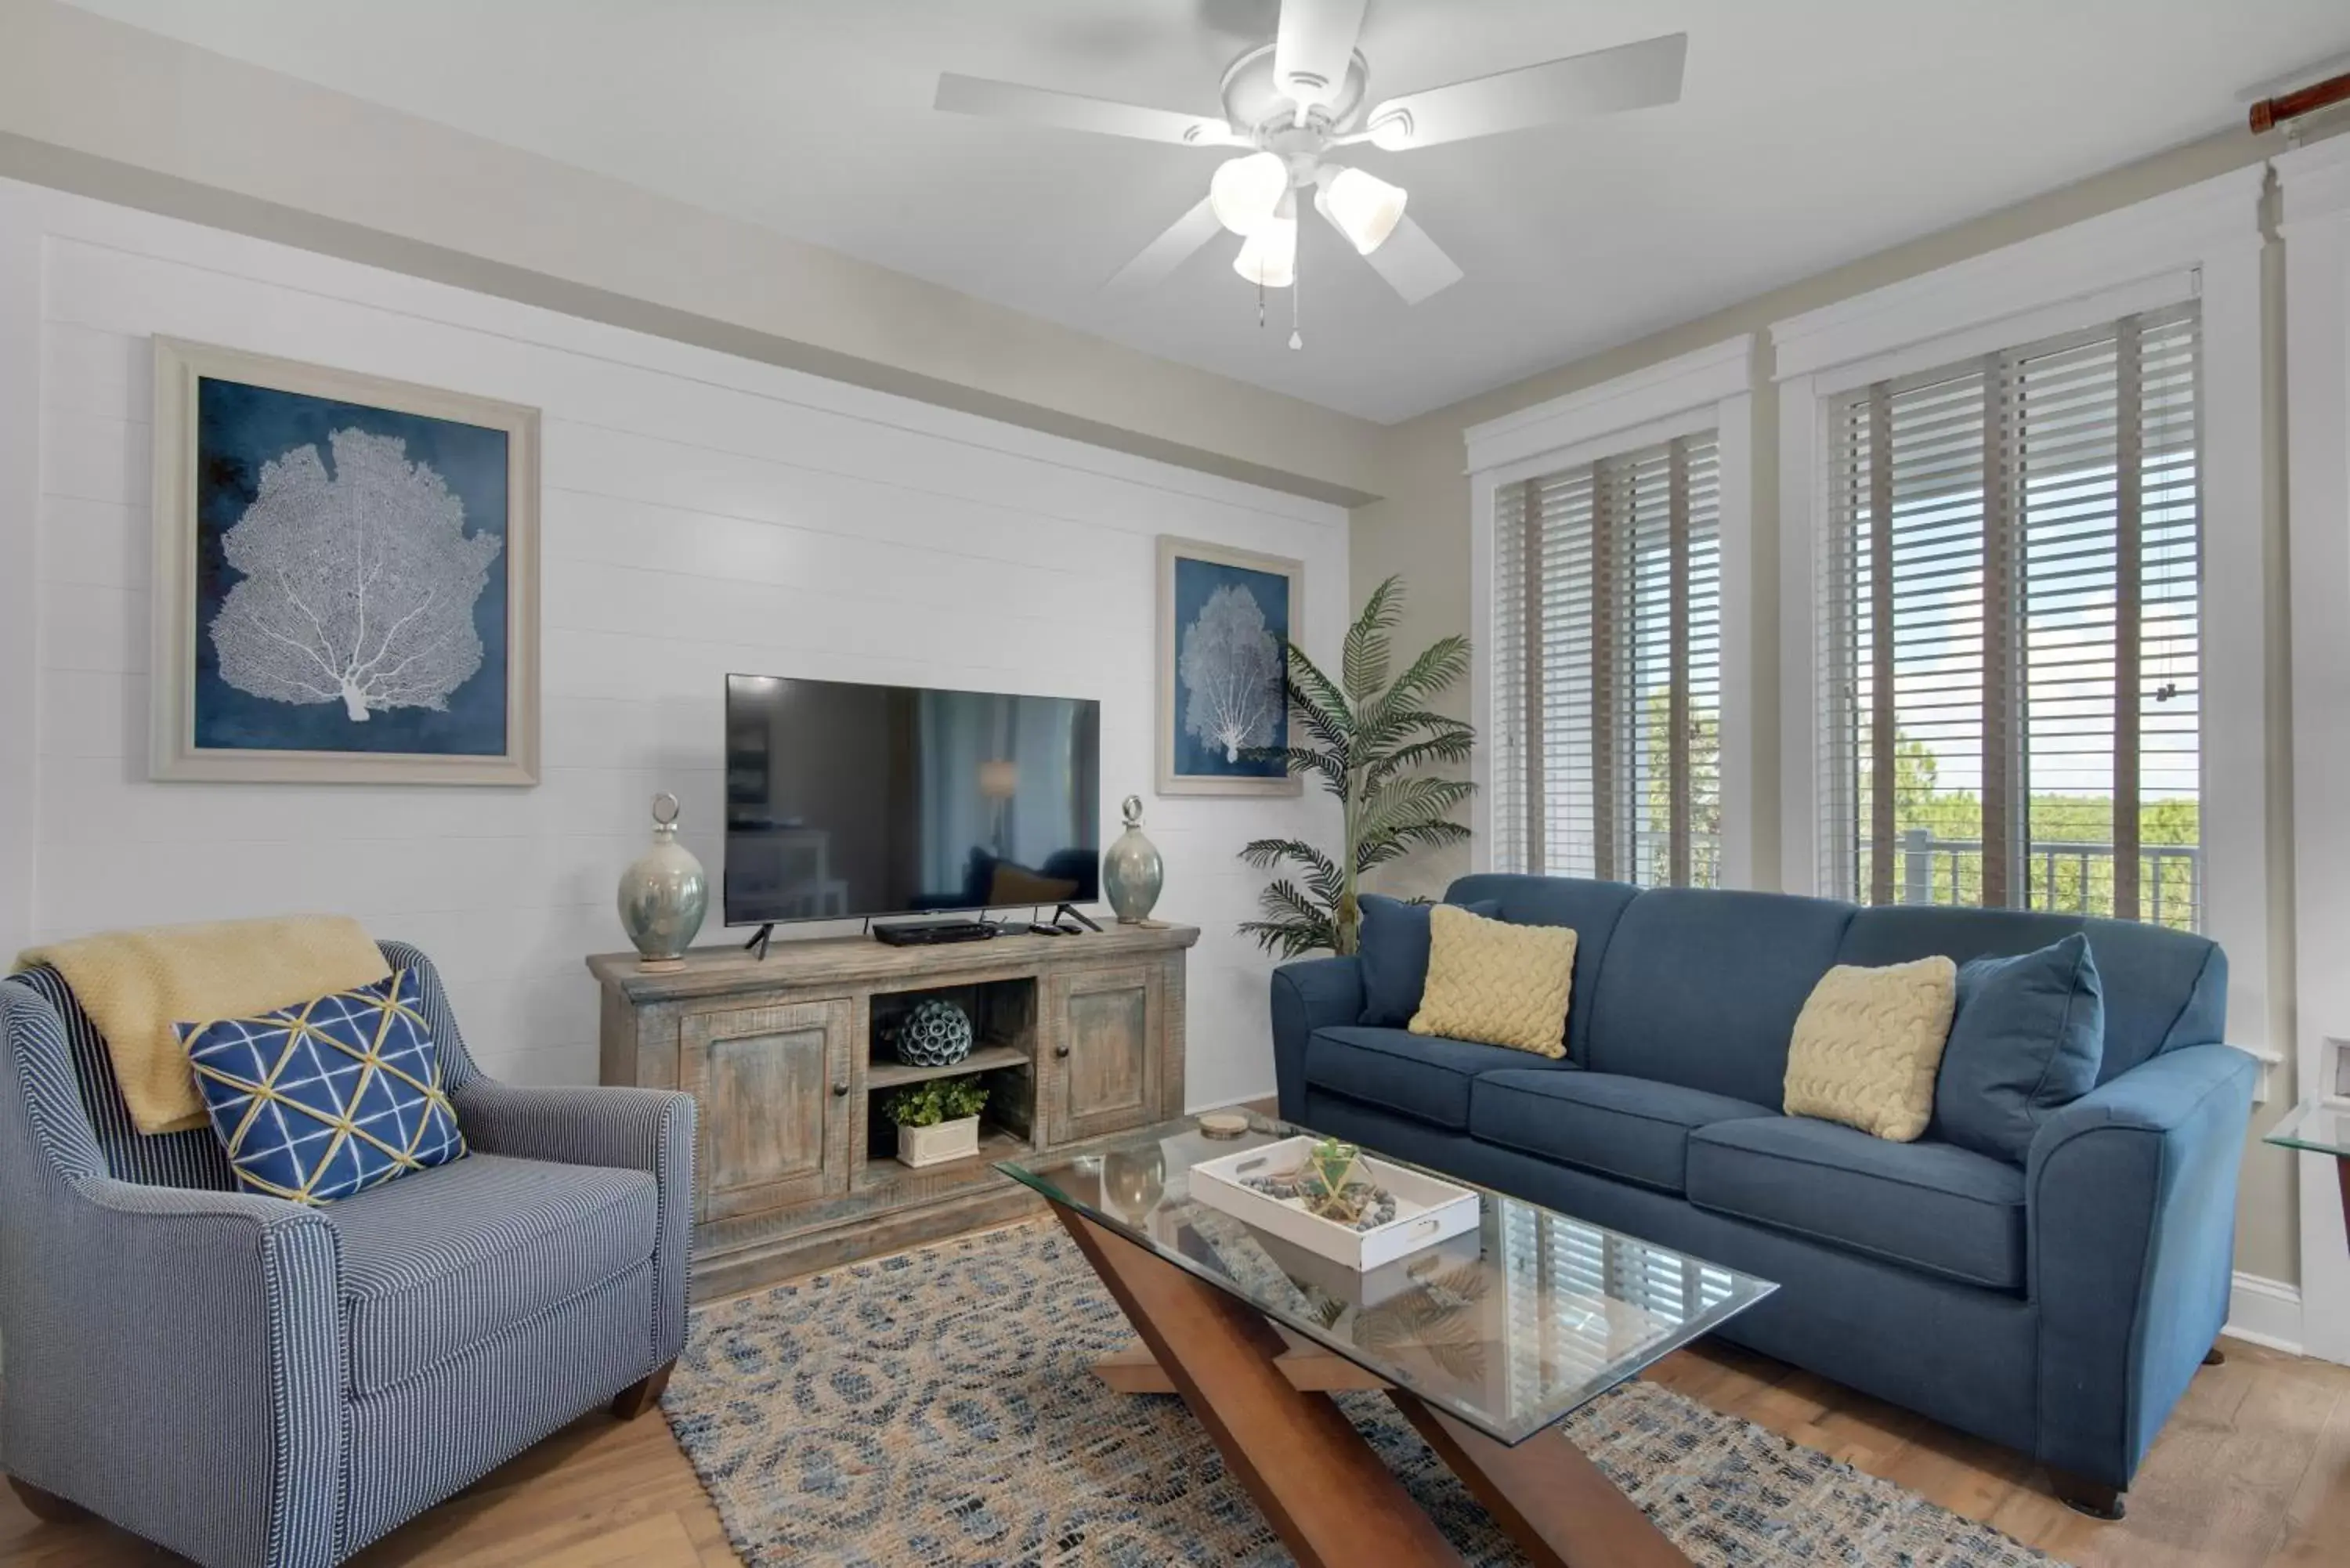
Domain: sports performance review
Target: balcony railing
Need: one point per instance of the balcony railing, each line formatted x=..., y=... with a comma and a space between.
x=2074, y=879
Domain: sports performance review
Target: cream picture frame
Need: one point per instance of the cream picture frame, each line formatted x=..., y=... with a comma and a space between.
x=177, y=750
x=1185, y=766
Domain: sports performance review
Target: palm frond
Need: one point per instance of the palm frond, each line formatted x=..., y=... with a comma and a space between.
x=1402, y=802
x=1443, y=662
x=1318, y=691
x=1456, y=742
x=1298, y=760
x=1364, y=665
x=1404, y=840
x=1321, y=873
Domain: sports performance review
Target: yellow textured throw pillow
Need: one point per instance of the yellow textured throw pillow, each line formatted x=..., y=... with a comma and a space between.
x=1868, y=1044
x=1499, y=984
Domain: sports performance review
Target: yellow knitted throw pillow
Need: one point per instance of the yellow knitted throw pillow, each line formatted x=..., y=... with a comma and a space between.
x=1492, y=981
x=1868, y=1044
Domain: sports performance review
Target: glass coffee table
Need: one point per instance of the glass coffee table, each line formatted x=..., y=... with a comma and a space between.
x=1484, y=1343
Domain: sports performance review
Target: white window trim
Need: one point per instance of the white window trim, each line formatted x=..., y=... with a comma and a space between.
x=2315, y=182
x=2204, y=239
x=1711, y=389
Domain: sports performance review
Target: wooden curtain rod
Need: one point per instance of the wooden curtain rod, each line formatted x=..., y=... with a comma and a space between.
x=2269, y=112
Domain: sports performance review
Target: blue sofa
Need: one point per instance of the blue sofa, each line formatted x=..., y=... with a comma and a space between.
x=2058, y=1307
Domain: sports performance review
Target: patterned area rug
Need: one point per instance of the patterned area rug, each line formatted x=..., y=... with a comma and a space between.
x=936, y=1409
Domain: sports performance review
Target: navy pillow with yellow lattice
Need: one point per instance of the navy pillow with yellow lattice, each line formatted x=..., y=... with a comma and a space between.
x=321, y=1099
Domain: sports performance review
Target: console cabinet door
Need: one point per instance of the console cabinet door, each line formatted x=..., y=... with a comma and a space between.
x=1103, y=1026
x=771, y=1088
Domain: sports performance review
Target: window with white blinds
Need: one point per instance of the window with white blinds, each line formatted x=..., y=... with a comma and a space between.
x=1606, y=648
x=2012, y=609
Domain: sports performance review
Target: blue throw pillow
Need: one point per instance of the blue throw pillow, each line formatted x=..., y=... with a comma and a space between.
x=322, y=1099
x=2028, y=1038
x=1392, y=946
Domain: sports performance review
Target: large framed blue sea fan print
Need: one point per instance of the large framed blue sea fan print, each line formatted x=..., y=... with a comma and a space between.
x=346, y=577
x=1226, y=619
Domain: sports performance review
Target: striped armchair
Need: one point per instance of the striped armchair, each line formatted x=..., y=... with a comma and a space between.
x=256, y=1384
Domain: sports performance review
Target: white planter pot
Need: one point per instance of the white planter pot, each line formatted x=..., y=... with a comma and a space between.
x=956, y=1139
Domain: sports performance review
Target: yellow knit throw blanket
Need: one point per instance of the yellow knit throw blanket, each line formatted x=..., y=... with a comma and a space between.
x=135, y=985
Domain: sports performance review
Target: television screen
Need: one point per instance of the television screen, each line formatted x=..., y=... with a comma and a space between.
x=845, y=800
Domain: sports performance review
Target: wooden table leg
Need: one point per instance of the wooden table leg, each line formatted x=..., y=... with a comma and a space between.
x=1553, y=1503
x=1333, y=1500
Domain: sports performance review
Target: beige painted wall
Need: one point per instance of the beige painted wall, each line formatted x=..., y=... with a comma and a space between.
x=1420, y=529
x=109, y=110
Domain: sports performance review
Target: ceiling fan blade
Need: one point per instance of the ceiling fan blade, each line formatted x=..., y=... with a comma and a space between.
x=1070, y=111
x=1312, y=47
x=1161, y=257
x=1413, y=264
x=1630, y=76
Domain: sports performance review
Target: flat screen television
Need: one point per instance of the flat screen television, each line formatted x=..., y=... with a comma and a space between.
x=845, y=800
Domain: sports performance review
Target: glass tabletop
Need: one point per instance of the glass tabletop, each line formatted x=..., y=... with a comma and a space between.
x=1510, y=1327
x=2320, y=1126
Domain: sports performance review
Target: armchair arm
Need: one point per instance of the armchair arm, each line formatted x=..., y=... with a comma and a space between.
x=183, y=1371
x=631, y=1129
x=2132, y=1208
x=1309, y=995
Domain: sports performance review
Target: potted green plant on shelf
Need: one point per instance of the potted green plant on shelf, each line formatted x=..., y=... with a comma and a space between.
x=937, y=1119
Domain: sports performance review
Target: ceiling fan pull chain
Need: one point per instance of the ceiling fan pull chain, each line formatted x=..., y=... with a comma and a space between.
x=1260, y=302
x=1296, y=293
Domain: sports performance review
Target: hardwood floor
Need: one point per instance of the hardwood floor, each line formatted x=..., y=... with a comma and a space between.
x=2253, y=1471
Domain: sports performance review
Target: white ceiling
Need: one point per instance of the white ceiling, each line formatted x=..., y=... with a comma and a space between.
x=1810, y=132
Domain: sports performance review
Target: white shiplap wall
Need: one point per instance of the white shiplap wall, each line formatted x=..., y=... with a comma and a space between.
x=701, y=513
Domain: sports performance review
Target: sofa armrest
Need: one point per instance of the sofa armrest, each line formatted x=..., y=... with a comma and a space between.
x=2132, y=1207
x=183, y=1371
x=650, y=1131
x=1308, y=995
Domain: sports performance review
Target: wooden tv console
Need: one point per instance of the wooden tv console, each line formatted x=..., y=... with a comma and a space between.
x=1078, y=1036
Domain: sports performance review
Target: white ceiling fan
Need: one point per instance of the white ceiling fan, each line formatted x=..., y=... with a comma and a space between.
x=1295, y=99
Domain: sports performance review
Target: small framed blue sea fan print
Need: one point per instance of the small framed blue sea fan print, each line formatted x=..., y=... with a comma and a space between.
x=1226, y=619
x=346, y=577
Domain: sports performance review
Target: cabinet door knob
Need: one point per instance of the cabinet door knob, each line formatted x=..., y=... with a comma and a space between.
x=1061, y=1051
x=841, y=1087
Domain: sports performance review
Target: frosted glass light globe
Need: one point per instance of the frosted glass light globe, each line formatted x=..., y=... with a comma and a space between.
x=1268, y=256
x=1363, y=207
x=1243, y=192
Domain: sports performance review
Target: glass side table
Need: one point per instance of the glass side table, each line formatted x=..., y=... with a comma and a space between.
x=2320, y=1127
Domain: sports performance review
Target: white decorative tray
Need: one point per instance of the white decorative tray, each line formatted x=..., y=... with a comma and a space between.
x=1428, y=1210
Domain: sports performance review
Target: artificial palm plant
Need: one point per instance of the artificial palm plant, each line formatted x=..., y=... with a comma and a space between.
x=1372, y=742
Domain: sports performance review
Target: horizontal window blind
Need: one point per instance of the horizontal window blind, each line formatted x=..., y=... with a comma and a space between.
x=2010, y=603
x=1607, y=649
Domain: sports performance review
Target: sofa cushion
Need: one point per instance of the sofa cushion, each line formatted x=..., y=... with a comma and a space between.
x=1931, y=1206
x=1496, y=983
x=2164, y=989
x=1420, y=1076
x=1392, y=946
x=1701, y=988
x=442, y=1258
x=1867, y=1042
x=1631, y=1128
x=2029, y=1034
x=1592, y=908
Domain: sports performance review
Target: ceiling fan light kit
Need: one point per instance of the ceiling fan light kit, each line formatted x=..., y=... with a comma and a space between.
x=1296, y=98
